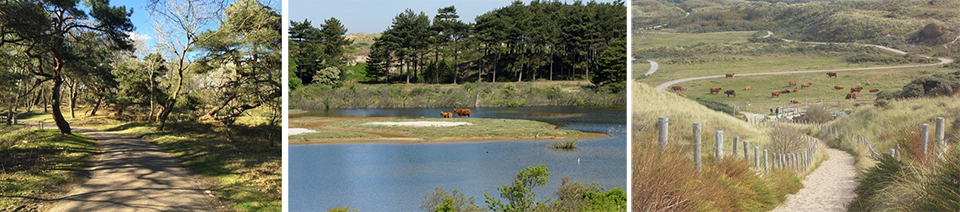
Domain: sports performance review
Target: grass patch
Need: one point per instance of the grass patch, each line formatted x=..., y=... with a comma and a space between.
x=568, y=144
x=759, y=100
x=330, y=134
x=481, y=128
x=39, y=165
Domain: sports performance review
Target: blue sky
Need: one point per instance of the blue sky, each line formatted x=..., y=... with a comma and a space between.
x=144, y=24
x=373, y=16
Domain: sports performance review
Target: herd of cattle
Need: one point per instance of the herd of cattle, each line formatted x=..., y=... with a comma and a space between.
x=716, y=90
x=459, y=112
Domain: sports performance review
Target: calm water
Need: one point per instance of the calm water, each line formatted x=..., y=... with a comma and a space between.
x=396, y=176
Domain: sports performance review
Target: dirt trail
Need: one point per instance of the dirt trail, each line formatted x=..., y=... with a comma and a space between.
x=663, y=86
x=829, y=188
x=131, y=174
x=653, y=67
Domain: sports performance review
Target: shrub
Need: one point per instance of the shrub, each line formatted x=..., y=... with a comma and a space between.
x=519, y=195
x=716, y=106
x=570, y=144
x=817, y=114
x=941, y=84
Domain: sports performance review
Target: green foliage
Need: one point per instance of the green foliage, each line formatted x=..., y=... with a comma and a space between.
x=319, y=51
x=612, y=200
x=519, y=195
x=342, y=209
x=441, y=200
x=613, y=67
x=293, y=82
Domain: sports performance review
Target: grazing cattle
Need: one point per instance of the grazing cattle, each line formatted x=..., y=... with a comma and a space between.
x=838, y=87
x=796, y=102
x=461, y=113
x=804, y=85
x=852, y=96
x=677, y=88
x=730, y=75
x=785, y=91
x=832, y=74
x=792, y=83
x=747, y=88
x=874, y=90
x=731, y=92
x=715, y=90
x=795, y=90
x=856, y=89
x=446, y=115
x=775, y=94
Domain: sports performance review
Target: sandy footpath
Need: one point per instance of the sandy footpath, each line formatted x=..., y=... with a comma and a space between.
x=294, y=131
x=829, y=188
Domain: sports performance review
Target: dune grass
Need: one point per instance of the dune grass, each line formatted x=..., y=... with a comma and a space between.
x=330, y=134
x=759, y=100
x=39, y=165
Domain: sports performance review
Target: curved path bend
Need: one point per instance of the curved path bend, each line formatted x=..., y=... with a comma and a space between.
x=829, y=188
x=653, y=68
x=943, y=61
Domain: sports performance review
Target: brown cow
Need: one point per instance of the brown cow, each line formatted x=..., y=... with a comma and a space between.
x=731, y=92
x=797, y=102
x=832, y=74
x=852, y=96
x=838, y=87
x=775, y=94
x=804, y=85
x=461, y=113
x=748, y=88
x=446, y=115
x=856, y=89
x=785, y=91
x=795, y=90
x=874, y=90
x=730, y=75
x=715, y=90
x=792, y=83
x=677, y=88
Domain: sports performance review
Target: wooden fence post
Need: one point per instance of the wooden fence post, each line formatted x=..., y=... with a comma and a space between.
x=924, y=137
x=697, y=159
x=893, y=152
x=664, y=124
x=736, y=141
x=756, y=157
x=746, y=150
x=719, y=147
x=766, y=162
x=941, y=144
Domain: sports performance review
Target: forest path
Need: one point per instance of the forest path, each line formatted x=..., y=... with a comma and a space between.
x=131, y=174
x=829, y=188
x=663, y=86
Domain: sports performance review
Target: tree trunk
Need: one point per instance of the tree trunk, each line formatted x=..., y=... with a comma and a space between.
x=436, y=64
x=480, y=65
x=456, y=67
x=165, y=112
x=406, y=68
x=57, y=116
x=495, y=64
x=551, y=65
x=73, y=99
x=97, y=105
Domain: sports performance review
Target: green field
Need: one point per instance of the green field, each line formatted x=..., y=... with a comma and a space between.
x=479, y=129
x=822, y=92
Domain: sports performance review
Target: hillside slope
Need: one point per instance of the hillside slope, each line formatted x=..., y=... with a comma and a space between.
x=648, y=104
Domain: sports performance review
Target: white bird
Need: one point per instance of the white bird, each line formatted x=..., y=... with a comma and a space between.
x=578, y=161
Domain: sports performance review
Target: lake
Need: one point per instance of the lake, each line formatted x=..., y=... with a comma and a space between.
x=397, y=176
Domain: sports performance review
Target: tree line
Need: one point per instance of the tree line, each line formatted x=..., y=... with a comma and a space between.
x=196, y=72
x=550, y=40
